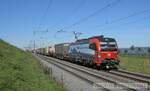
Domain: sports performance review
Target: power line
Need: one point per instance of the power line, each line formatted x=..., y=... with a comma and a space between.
x=93, y=14
x=135, y=21
x=132, y=15
x=126, y=17
x=75, y=10
x=144, y=18
x=42, y=19
x=76, y=34
x=45, y=13
x=60, y=31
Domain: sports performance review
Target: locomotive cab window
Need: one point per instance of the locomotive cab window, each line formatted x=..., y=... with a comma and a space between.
x=108, y=46
x=92, y=46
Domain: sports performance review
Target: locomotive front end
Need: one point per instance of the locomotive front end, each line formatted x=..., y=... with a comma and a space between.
x=109, y=53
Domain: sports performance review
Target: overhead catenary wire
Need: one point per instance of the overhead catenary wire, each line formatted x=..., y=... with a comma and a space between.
x=41, y=21
x=75, y=10
x=59, y=31
x=135, y=21
x=132, y=22
x=45, y=13
x=43, y=18
x=123, y=18
x=93, y=14
x=76, y=34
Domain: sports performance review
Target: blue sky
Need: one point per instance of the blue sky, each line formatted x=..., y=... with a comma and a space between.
x=19, y=18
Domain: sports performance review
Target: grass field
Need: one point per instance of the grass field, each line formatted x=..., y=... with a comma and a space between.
x=139, y=64
x=19, y=71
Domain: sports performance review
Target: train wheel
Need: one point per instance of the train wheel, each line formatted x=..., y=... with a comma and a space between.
x=94, y=66
x=115, y=68
x=90, y=64
x=84, y=63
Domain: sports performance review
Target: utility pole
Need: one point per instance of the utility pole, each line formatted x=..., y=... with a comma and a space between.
x=34, y=34
x=34, y=45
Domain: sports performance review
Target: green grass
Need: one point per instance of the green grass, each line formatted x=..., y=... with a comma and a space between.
x=19, y=71
x=139, y=64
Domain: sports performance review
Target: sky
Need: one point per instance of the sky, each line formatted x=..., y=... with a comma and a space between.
x=128, y=21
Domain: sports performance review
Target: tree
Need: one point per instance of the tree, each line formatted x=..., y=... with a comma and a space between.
x=148, y=50
x=126, y=51
x=139, y=49
x=132, y=47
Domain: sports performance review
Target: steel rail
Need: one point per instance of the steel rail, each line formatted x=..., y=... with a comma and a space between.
x=92, y=74
x=73, y=73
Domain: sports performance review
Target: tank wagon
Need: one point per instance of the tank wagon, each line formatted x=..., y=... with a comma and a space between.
x=51, y=51
x=97, y=51
x=38, y=51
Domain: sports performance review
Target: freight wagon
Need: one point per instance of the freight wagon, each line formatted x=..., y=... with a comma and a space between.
x=61, y=50
x=51, y=51
x=43, y=51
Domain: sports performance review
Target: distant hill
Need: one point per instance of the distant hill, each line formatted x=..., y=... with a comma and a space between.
x=19, y=71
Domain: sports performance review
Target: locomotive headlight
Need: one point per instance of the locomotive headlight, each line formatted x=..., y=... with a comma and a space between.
x=109, y=54
x=99, y=55
x=107, y=66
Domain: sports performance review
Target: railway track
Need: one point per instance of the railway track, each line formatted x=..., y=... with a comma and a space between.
x=118, y=79
x=74, y=73
x=133, y=76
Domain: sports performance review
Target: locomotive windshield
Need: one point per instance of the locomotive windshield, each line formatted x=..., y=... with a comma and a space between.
x=108, y=45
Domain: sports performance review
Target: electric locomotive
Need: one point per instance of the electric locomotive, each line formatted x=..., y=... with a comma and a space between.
x=98, y=51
